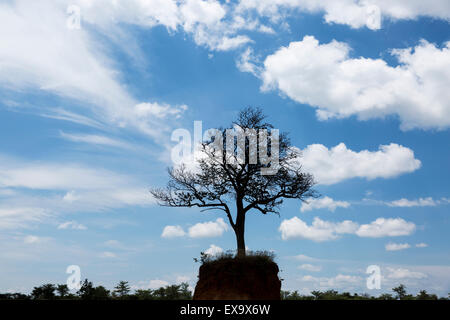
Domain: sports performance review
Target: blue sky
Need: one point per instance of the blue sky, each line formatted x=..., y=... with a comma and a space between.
x=86, y=117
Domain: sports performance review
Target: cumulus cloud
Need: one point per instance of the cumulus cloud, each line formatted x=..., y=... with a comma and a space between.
x=321, y=230
x=421, y=202
x=173, y=232
x=201, y=12
x=323, y=203
x=318, y=231
x=209, y=22
x=330, y=166
x=421, y=245
x=213, y=250
x=354, y=13
x=397, y=246
x=208, y=229
x=326, y=77
x=382, y=227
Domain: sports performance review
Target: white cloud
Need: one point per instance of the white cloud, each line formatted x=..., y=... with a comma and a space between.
x=108, y=255
x=46, y=190
x=321, y=203
x=337, y=282
x=248, y=63
x=325, y=77
x=30, y=239
x=208, y=229
x=95, y=139
x=106, y=14
x=36, y=175
x=72, y=225
x=402, y=273
x=71, y=63
x=71, y=196
x=213, y=250
x=63, y=61
x=46, y=176
x=330, y=166
x=310, y=267
x=65, y=115
x=210, y=23
x=397, y=246
x=421, y=245
x=173, y=232
x=302, y=257
x=208, y=12
x=159, y=111
x=445, y=200
x=382, y=227
x=13, y=217
x=321, y=230
x=157, y=283
x=354, y=13
x=421, y=202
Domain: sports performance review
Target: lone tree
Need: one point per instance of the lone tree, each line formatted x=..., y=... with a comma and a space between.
x=246, y=172
x=122, y=289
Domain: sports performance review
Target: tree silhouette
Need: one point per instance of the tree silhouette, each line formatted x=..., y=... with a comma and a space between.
x=122, y=289
x=46, y=292
x=400, y=291
x=87, y=291
x=63, y=290
x=256, y=175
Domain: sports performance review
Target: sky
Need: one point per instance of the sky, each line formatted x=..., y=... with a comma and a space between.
x=92, y=90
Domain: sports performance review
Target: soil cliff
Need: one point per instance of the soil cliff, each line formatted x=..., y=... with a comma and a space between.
x=249, y=278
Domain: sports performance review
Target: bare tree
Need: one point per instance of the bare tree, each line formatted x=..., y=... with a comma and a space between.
x=249, y=178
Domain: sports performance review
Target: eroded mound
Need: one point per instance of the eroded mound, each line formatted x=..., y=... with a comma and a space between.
x=230, y=278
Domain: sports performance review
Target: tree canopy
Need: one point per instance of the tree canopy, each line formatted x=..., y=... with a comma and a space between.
x=247, y=166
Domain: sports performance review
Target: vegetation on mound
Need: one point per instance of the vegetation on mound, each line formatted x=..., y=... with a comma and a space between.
x=254, y=257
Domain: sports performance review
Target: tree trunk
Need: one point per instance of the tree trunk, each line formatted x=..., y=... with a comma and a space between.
x=240, y=230
x=240, y=241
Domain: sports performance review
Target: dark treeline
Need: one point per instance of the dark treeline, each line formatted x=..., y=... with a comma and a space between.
x=399, y=293
x=88, y=291
x=181, y=292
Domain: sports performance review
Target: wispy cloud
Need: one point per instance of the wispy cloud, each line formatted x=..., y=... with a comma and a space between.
x=96, y=140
